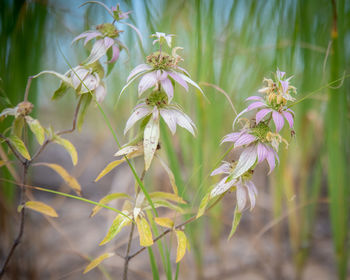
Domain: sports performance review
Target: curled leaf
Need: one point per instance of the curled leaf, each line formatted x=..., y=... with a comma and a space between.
x=41, y=207
x=236, y=219
x=68, y=146
x=181, y=245
x=97, y=261
x=70, y=180
x=109, y=168
x=36, y=128
x=164, y=222
x=145, y=232
x=119, y=222
x=19, y=146
x=108, y=198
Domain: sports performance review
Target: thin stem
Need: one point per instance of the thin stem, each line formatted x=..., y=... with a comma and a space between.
x=21, y=226
x=26, y=93
x=180, y=226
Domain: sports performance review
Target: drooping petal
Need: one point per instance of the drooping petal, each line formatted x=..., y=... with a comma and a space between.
x=262, y=152
x=244, y=139
x=138, y=114
x=138, y=69
x=148, y=80
x=251, y=193
x=223, y=168
x=241, y=196
x=168, y=88
x=161, y=75
x=88, y=35
x=259, y=98
x=255, y=105
x=170, y=118
x=222, y=187
x=78, y=75
x=188, y=80
x=231, y=137
x=91, y=36
x=183, y=70
x=245, y=162
x=261, y=114
x=178, y=79
x=151, y=137
x=90, y=83
x=100, y=93
x=115, y=54
x=184, y=121
x=289, y=118
x=99, y=49
x=278, y=120
x=237, y=117
x=271, y=159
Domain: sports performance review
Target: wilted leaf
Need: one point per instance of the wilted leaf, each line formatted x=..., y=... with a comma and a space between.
x=97, y=261
x=151, y=137
x=85, y=102
x=68, y=146
x=108, y=198
x=170, y=174
x=145, y=232
x=119, y=222
x=36, y=128
x=19, y=146
x=164, y=222
x=181, y=244
x=109, y=168
x=70, y=180
x=203, y=205
x=236, y=219
x=167, y=196
x=41, y=207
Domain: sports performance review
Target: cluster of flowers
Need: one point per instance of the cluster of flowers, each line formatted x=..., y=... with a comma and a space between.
x=257, y=139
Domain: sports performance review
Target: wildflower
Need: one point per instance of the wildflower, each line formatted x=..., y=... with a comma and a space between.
x=118, y=14
x=243, y=184
x=162, y=37
x=160, y=71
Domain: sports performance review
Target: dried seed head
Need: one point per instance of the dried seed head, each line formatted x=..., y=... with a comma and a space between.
x=24, y=108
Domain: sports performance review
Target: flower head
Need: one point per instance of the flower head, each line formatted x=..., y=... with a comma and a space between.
x=118, y=14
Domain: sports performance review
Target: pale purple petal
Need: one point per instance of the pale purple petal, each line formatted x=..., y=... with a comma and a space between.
x=271, y=159
x=170, y=119
x=88, y=35
x=289, y=118
x=231, y=137
x=99, y=49
x=280, y=74
x=278, y=120
x=259, y=98
x=161, y=75
x=147, y=81
x=178, y=79
x=168, y=88
x=138, y=69
x=222, y=187
x=115, y=54
x=184, y=121
x=224, y=168
x=255, y=105
x=291, y=111
x=241, y=196
x=245, y=162
x=245, y=139
x=251, y=193
x=138, y=114
x=237, y=117
x=100, y=93
x=183, y=70
x=91, y=36
x=108, y=42
x=261, y=114
x=284, y=85
x=262, y=152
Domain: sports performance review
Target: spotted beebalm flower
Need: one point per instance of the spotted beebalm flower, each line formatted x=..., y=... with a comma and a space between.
x=156, y=106
x=243, y=184
x=162, y=38
x=160, y=71
x=106, y=37
x=257, y=148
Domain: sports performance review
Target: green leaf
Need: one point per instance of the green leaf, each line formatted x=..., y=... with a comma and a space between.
x=19, y=146
x=203, y=205
x=167, y=196
x=36, y=128
x=236, y=219
x=119, y=222
x=62, y=90
x=68, y=146
x=150, y=138
x=97, y=261
x=145, y=232
x=109, y=168
x=41, y=207
x=164, y=222
x=17, y=126
x=85, y=102
x=110, y=65
x=181, y=245
x=70, y=180
x=106, y=199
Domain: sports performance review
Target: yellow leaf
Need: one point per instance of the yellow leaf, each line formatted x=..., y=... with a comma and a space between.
x=41, y=207
x=109, y=168
x=19, y=146
x=119, y=222
x=145, y=233
x=164, y=222
x=167, y=196
x=181, y=245
x=170, y=175
x=68, y=146
x=2, y=163
x=70, y=180
x=203, y=205
x=108, y=198
x=36, y=128
x=97, y=261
